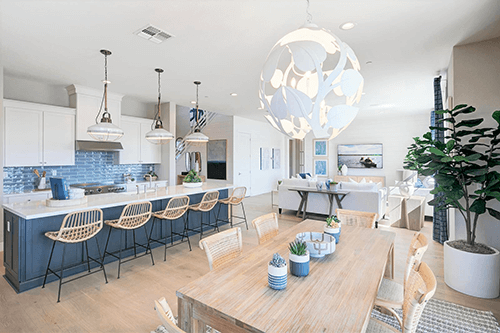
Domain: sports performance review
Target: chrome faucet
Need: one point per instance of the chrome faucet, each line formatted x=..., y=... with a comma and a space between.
x=137, y=187
x=127, y=177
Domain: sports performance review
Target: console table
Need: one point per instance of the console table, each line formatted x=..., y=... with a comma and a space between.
x=304, y=195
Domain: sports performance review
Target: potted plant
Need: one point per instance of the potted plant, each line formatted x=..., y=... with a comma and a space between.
x=150, y=174
x=299, y=258
x=339, y=169
x=192, y=179
x=464, y=170
x=332, y=227
x=277, y=272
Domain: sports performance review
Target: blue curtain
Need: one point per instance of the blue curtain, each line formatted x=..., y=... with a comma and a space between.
x=440, y=219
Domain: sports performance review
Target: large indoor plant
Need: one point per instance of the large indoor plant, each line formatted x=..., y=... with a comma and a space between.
x=465, y=168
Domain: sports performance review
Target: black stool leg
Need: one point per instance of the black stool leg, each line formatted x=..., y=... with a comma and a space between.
x=216, y=227
x=171, y=233
x=62, y=271
x=120, y=257
x=135, y=248
x=186, y=232
x=201, y=226
x=88, y=260
x=244, y=214
x=149, y=245
x=48, y=265
x=231, y=212
x=102, y=260
x=151, y=232
x=218, y=214
x=106, y=246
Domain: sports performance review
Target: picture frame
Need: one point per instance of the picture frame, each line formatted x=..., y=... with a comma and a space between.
x=320, y=148
x=276, y=158
x=363, y=156
x=321, y=167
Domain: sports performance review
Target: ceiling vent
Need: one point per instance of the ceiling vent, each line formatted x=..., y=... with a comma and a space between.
x=153, y=34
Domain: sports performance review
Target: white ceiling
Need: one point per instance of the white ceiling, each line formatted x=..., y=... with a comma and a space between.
x=225, y=43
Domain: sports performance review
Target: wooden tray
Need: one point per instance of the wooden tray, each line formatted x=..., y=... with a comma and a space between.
x=65, y=203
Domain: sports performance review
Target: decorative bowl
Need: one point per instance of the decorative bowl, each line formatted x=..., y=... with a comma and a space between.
x=318, y=243
x=198, y=184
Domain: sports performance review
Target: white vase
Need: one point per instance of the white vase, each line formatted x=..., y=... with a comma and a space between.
x=344, y=170
x=472, y=273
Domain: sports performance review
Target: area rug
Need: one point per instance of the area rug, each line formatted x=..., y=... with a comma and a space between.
x=443, y=317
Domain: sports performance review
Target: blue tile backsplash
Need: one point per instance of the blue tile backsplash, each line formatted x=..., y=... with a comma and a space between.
x=90, y=167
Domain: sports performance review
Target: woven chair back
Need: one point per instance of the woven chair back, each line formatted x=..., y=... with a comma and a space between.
x=166, y=316
x=208, y=201
x=356, y=218
x=222, y=247
x=238, y=195
x=80, y=226
x=418, y=246
x=176, y=207
x=420, y=287
x=135, y=215
x=266, y=227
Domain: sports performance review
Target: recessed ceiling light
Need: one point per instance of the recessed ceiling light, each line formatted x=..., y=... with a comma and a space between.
x=260, y=108
x=233, y=94
x=193, y=102
x=369, y=62
x=363, y=93
x=347, y=26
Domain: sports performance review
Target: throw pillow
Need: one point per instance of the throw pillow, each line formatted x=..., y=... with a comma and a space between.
x=363, y=181
x=352, y=181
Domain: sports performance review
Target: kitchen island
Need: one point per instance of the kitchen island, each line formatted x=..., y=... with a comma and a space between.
x=27, y=250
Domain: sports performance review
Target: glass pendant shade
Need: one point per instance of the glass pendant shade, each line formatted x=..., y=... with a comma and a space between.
x=196, y=136
x=159, y=135
x=311, y=82
x=105, y=130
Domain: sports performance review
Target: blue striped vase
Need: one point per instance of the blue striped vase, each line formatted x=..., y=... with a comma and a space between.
x=299, y=265
x=277, y=277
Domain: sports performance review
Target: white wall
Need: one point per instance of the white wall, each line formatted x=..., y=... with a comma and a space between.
x=263, y=135
x=475, y=80
x=30, y=90
x=395, y=132
x=1, y=147
x=167, y=170
x=136, y=108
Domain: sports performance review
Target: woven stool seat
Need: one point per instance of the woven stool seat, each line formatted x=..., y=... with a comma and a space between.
x=391, y=291
x=76, y=227
x=175, y=209
x=236, y=198
x=133, y=216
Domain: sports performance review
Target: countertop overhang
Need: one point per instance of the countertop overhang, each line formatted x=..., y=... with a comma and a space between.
x=38, y=209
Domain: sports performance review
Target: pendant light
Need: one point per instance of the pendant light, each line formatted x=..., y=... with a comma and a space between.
x=105, y=130
x=196, y=136
x=311, y=82
x=158, y=135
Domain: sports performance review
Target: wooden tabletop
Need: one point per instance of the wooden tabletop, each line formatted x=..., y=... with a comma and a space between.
x=336, y=296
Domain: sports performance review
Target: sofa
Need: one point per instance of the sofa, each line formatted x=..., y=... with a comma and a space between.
x=365, y=197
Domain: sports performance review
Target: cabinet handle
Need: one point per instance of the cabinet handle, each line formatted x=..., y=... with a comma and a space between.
x=8, y=226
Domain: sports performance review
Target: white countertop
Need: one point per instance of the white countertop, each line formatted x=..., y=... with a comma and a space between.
x=39, y=209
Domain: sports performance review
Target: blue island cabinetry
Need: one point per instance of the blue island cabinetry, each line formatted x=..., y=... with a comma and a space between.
x=27, y=249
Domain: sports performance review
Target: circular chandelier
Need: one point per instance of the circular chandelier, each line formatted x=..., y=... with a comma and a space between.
x=311, y=82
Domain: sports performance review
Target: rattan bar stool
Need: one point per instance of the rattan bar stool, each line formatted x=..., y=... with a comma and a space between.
x=176, y=208
x=206, y=204
x=134, y=216
x=77, y=227
x=235, y=199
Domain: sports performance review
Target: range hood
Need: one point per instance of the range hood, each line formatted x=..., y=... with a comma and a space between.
x=98, y=145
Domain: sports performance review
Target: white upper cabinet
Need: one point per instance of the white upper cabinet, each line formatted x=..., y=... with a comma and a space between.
x=136, y=149
x=87, y=102
x=38, y=134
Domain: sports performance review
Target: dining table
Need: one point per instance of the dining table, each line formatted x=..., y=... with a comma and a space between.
x=337, y=296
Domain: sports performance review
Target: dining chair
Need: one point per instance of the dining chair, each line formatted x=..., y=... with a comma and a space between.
x=223, y=247
x=420, y=287
x=266, y=227
x=356, y=218
x=133, y=216
x=207, y=204
x=166, y=316
x=76, y=227
x=175, y=209
x=235, y=199
x=391, y=293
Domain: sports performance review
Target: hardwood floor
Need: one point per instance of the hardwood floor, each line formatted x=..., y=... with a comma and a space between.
x=126, y=304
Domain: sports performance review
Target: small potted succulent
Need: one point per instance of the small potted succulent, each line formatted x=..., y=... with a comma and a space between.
x=332, y=227
x=192, y=179
x=299, y=258
x=277, y=272
x=331, y=185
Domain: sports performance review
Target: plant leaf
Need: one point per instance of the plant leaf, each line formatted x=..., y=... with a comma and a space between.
x=494, y=213
x=436, y=151
x=478, y=206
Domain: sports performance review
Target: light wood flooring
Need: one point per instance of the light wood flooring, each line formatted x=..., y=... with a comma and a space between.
x=126, y=304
